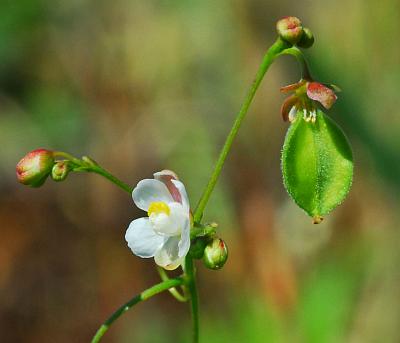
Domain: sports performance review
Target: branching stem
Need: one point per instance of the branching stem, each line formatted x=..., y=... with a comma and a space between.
x=269, y=57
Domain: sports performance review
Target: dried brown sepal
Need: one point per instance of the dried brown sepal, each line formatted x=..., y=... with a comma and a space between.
x=287, y=105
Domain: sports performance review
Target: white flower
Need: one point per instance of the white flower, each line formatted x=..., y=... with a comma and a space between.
x=165, y=233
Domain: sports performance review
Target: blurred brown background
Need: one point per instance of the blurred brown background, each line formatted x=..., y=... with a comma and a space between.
x=145, y=85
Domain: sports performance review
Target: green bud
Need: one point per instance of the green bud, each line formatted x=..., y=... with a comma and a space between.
x=60, y=170
x=307, y=39
x=290, y=29
x=215, y=254
x=35, y=167
x=317, y=164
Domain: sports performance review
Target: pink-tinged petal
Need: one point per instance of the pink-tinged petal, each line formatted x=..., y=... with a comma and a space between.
x=166, y=177
x=287, y=105
x=183, y=195
x=324, y=95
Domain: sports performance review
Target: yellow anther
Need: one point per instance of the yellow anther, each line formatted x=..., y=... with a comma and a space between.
x=158, y=207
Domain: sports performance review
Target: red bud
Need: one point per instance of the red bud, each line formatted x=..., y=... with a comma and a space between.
x=35, y=167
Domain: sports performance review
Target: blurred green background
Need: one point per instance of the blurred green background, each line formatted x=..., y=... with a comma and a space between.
x=145, y=85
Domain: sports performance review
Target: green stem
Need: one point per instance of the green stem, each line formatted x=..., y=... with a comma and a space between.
x=174, y=292
x=269, y=57
x=148, y=293
x=69, y=157
x=194, y=298
x=88, y=165
x=101, y=171
x=200, y=230
x=297, y=53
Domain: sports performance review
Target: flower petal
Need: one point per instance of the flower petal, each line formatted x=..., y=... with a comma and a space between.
x=184, y=243
x=148, y=191
x=172, y=224
x=182, y=191
x=167, y=177
x=141, y=238
x=168, y=256
x=324, y=95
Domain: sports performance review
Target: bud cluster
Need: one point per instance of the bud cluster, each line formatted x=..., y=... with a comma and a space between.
x=36, y=166
x=291, y=30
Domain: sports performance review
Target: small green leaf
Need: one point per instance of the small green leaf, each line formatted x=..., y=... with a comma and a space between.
x=317, y=164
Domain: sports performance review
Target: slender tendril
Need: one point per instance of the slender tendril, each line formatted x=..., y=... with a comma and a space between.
x=148, y=293
x=269, y=57
x=194, y=298
x=174, y=292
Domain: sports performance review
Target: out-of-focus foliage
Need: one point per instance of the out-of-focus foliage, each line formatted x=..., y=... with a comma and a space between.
x=146, y=85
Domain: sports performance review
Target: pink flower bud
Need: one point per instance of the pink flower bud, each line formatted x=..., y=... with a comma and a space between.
x=290, y=29
x=35, y=167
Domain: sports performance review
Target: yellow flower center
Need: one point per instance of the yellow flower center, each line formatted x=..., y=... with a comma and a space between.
x=158, y=207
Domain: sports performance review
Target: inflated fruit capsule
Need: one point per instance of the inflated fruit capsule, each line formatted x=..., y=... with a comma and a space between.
x=317, y=164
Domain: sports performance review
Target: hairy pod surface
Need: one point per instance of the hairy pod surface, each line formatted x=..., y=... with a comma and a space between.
x=317, y=164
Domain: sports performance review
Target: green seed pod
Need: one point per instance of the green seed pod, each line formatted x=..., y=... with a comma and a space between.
x=317, y=165
x=215, y=254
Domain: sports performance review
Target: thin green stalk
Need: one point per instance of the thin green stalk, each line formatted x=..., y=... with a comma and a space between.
x=200, y=230
x=194, y=298
x=297, y=53
x=69, y=157
x=269, y=57
x=174, y=292
x=101, y=171
x=88, y=165
x=148, y=293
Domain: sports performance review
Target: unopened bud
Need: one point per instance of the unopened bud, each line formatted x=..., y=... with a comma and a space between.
x=290, y=29
x=215, y=254
x=35, y=167
x=307, y=39
x=60, y=170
